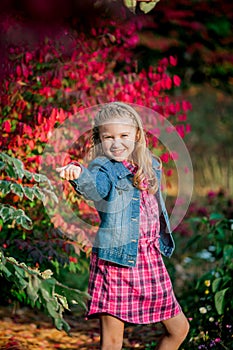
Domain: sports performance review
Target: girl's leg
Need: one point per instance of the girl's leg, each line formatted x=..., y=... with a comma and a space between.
x=112, y=332
x=177, y=329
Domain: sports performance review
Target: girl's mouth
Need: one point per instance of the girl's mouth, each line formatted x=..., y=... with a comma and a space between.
x=117, y=153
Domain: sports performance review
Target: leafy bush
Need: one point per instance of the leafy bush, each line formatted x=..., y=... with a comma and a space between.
x=209, y=304
x=25, y=281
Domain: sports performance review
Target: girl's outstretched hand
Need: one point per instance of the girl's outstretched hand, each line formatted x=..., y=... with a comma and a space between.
x=69, y=172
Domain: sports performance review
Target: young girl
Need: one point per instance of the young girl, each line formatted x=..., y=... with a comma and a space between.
x=128, y=279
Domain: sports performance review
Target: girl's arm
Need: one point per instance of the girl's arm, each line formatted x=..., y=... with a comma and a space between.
x=92, y=182
x=69, y=172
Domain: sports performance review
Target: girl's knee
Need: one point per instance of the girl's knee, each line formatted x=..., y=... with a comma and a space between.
x=177, y=327
x=183, y=331
x=112, y=345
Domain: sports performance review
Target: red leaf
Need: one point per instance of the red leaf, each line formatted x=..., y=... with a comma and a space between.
x=31, y=144
x=39, y=118
x=186, y=106
x=47, y=125
x=28, y=57
x=182, y=117
x=168, y=83
x=25, y=71
x=27, y=130
x=180, y=130
x=169, y=172
x=7, y=126
x=176, y=80
x=174, y=155
x=173, y=60
x=18, y=71
x=165, y=157
x=188, y=128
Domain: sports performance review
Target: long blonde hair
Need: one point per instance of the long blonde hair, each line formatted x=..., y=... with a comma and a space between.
x=141, y=155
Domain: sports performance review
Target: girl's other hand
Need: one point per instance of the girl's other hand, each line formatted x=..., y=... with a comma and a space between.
x=69, y=172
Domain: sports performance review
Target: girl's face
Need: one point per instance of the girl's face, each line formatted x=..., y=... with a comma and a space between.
x=118, y=138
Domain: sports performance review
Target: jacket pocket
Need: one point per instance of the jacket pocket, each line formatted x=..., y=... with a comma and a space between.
x=122, y=185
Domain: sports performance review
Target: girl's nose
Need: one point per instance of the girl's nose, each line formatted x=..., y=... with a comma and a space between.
x=116, y=143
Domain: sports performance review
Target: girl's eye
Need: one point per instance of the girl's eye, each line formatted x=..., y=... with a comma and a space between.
x=107, y=137
x=125, y=135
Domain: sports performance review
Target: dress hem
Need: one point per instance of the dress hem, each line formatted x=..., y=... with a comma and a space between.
x=97, y=314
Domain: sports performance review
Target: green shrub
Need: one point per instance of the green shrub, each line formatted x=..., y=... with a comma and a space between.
x=209, y=304
x=25, y=282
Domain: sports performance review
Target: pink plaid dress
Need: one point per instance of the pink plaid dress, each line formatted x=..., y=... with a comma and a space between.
x=142, y=294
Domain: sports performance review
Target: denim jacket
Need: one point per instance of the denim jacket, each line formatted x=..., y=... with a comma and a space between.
x=109, y=184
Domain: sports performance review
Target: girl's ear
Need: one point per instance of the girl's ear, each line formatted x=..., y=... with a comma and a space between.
x=137, y=135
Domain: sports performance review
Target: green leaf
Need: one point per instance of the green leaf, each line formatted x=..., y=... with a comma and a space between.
x=228, y=254
x=219, y=301
x=131, y=4
x=17, y=189
x=6, y=213
x=58, y=323
x=28, y=174
x=36, y=177
x=51, y=195
x=216, y=216
x=45, y=293
x=216, y=283
x=195, y=238
x=4, y=157
x=25, y=222
x=43, y=178
x=32, y=288
x=52, y=307
x=221, y=26
x=65, y=326
x=4, y=271
x=48, y=285
x=19, y=167
x=147, y=6
x=2, y=165
x=62, y=300
x=5, y=187
x=19, y=270
x=10, y=170
x=17, y=213
x=29, y=193
x=38, y=193
x=20, y=281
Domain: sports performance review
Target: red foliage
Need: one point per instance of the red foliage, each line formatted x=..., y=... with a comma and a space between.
x=46, y=85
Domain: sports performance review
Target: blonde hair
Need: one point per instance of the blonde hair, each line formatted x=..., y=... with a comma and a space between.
x=141, y=155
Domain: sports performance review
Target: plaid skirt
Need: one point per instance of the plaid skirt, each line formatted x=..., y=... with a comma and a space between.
x=142, y=294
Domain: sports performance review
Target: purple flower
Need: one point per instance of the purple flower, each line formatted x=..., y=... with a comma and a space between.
x=211, y=194
x=217, y=340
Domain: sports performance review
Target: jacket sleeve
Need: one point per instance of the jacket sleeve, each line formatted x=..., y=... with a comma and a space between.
x=94, y=182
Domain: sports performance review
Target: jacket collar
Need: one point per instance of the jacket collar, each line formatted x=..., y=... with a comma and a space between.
x=121, y=170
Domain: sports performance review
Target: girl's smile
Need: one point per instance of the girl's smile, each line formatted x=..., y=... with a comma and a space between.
x=118, y=139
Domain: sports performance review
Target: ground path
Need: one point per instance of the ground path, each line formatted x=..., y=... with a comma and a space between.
x=30, y=330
